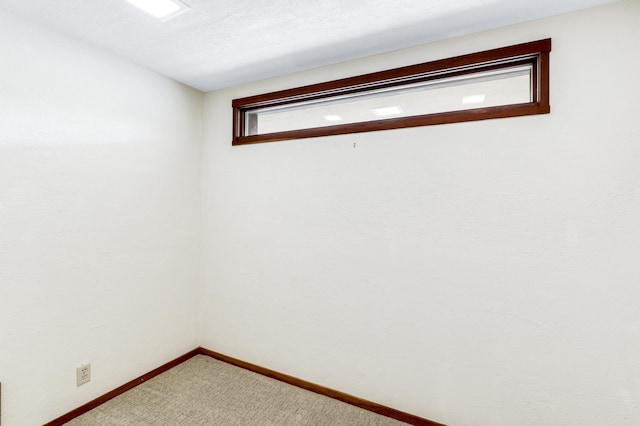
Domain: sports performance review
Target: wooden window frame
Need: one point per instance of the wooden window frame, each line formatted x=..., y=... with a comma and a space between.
x=535, y=53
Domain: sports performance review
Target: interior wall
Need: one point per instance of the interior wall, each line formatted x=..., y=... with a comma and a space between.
x=99, y=220
x=479, y=273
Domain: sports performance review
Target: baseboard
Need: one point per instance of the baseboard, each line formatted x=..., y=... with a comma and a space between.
x=331, y=393
x=120, y=390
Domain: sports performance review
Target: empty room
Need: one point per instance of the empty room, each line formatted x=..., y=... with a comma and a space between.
x=359, y=213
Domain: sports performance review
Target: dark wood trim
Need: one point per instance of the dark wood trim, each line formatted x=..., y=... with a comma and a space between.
x=503, y=111
x=331, y=393
x=535, y=53
x=543, y=79
x=120, y=390
x=365, y=80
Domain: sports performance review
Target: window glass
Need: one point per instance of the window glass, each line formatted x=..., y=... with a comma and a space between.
x=506, y=82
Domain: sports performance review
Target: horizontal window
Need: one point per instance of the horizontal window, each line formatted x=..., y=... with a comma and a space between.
x=505, y=82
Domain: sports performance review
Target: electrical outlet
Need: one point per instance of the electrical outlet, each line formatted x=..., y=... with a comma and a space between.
x=83, y=374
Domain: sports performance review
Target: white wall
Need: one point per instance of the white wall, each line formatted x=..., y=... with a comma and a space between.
x=475, y=274
x=99, y=220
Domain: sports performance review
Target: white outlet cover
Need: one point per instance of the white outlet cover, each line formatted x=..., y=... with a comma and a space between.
x=83, y=374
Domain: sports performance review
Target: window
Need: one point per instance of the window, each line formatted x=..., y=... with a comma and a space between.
x=507, y=82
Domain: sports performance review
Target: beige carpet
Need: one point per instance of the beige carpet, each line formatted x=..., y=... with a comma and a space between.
x=205, y=391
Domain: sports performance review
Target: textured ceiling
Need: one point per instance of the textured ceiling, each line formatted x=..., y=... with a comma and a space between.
x=220, y=43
